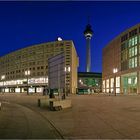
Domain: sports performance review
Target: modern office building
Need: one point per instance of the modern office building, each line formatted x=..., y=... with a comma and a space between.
x=31, y=64
x=89, y=82
x=121, y=63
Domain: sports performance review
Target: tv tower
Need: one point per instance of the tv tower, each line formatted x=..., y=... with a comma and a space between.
x=88, y=34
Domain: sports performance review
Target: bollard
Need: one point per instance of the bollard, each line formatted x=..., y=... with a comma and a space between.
x=0, y=106
x=39, y=103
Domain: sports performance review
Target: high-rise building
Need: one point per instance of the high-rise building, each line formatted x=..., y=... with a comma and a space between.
x=88, y=34
x=27, y=69
x=121, y=63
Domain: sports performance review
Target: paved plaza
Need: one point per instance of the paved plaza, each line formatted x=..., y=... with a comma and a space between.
x=91, y=117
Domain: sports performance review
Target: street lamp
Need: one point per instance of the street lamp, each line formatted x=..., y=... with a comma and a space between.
x=27, y=73
x=115, y=70
x=2, y=78
x=67, y=70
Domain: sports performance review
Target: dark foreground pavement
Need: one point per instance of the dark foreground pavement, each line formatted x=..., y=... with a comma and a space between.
x=91, y=117
x=20, y=122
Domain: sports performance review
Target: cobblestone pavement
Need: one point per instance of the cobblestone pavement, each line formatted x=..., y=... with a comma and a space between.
x=91, y=117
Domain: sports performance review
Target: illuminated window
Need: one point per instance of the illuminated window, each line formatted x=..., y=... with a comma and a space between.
x=103, y=83
x=111, y=90
x=107, y=90
x=107, y=83
x=133, y=41
x=117, y=90
x=135, y=61
x=132, y=51
x=117, y=81
x=136, y=50
x=135, y=81
x=129, y=80
x=136, y=40
x=112, y=83
x=129, y=44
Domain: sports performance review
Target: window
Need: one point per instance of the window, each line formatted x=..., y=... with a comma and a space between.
x=107, y=83
x=135, y=61
x=130, y=63
x=136, y=40
x=129, y=44
x=103, y=83
x=133, y=64
x=130, y=54
x=136, y=50
x=133, y=42
x=132, y=51
x=112, y=83
x=117, y=81
x=129, y=80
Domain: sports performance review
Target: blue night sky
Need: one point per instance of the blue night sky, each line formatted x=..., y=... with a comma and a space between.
x=26, y=23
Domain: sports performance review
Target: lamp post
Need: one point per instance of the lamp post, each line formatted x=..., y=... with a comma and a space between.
x=67, y=70
x=27, y=73
x=2, y=78
x=115, y=70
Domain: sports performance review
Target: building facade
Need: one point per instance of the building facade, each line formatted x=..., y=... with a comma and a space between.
x=27, y=69
x=62, y=77
x=121, y=63
x=89, y=82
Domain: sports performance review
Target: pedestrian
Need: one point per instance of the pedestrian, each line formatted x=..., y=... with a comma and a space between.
x=89, y=91
x=0, y=105
x=109, y=92
x=44, y=91
x=47, y=91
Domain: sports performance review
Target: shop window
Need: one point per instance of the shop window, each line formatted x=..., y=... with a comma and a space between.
x=117, y=90
x=117, y=81
x=112, y=82
x=107, y=83
x=103, y=83
x=129, y=80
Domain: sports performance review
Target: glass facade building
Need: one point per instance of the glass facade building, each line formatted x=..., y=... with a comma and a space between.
x=123, y=53
x=89, y=82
